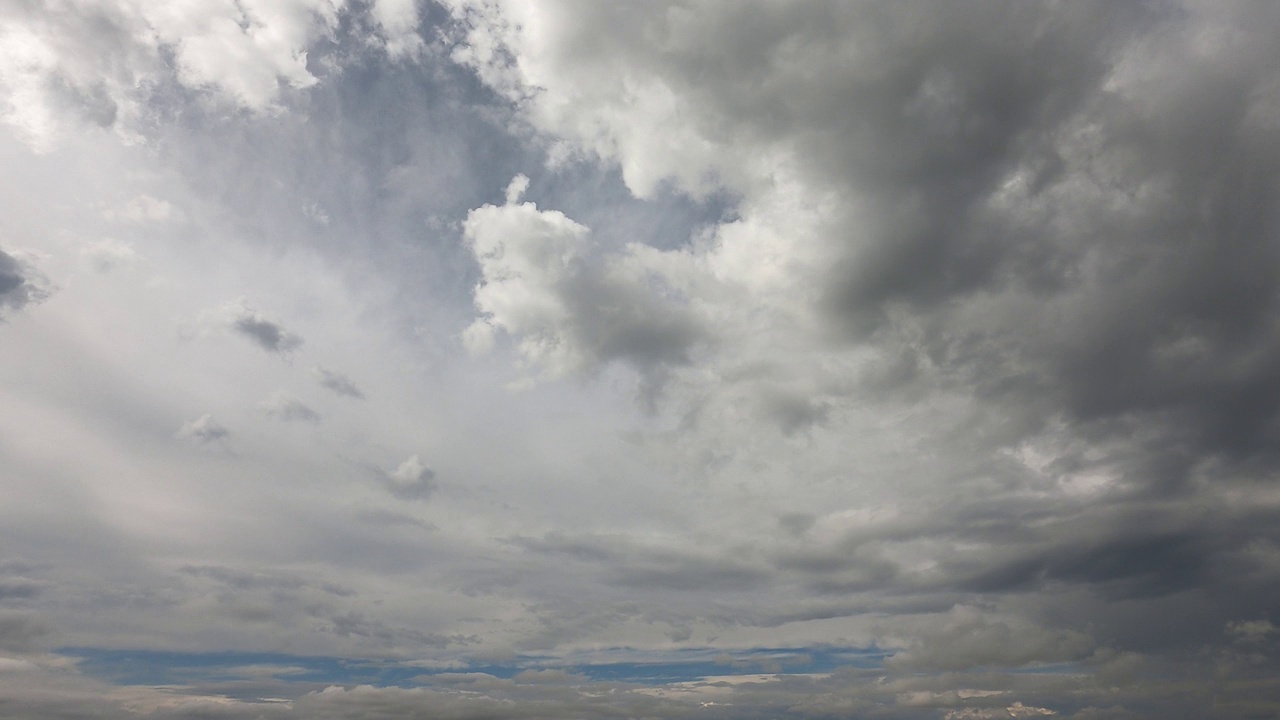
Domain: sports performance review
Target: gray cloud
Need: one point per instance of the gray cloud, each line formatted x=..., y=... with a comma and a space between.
x=266, y=334
x=204, y=429
x=411, y=480
x=966, y=639
x=20, y=285
x=336, y=382
x=288, y=409
x=21, y=632
x=953, y=329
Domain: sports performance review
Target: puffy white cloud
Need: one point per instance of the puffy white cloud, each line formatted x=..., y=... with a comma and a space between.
x=104, y=61
x=570, y=306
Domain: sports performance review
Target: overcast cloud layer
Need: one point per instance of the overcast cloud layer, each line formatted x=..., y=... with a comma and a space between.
x=657, y=359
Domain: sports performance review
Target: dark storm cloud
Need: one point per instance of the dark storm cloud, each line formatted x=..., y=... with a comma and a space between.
x=1085, y=233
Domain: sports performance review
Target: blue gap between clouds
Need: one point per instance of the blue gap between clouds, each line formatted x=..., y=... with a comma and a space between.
x=158, y=667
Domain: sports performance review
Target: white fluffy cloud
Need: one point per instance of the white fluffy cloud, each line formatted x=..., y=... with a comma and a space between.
x=570, y=306
x=105, y=61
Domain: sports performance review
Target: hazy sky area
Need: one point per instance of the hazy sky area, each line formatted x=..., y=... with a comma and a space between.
x=373, y=359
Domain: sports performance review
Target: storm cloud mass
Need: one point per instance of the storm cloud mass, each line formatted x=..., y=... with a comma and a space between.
x=662, y=359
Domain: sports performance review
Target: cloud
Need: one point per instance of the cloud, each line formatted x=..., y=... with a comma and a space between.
x=966, y=639
x=265, y=333
x=107, y=254
x=571, y=307
x=244, y=54
x=21, y=632
x=1251, y=630
x=411, y=480
x=204, y=429
x=963, y=213
x=337, y=382
x=288, y=409
x=20, y=284
x=953, y=331
x=144, y=209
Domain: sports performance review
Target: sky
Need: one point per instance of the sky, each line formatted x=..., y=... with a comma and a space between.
x=461, y=360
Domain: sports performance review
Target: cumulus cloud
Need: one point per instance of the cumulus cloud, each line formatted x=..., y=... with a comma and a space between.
x=411, y=480
x=288, y=409
x=962, y=207
x=103, y=62
x=336, y=382
x=570, y=306
x=204, y=429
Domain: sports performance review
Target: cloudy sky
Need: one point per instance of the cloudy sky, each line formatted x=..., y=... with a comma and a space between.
x=391, y=359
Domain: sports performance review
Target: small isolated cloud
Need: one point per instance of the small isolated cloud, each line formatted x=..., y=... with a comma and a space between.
x=283, y=407
x=337, y=382
x=266, y=333
x=20, y=284
x=203, y=429
x=412, y=480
